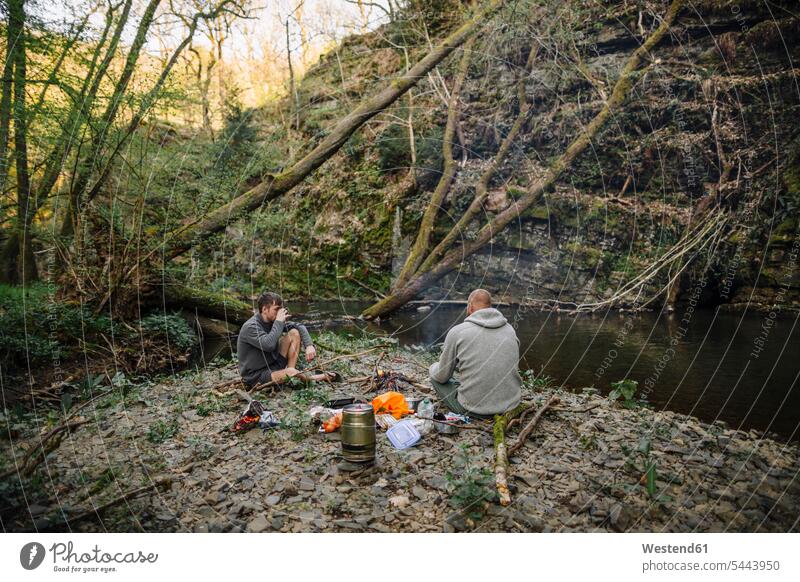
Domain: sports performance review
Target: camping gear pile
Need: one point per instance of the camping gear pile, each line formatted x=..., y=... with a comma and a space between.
x=255, y=415
x=405, y=419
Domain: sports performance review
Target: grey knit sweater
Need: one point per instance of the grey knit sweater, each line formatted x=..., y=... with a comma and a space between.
x=484, y=350
x=257, y=345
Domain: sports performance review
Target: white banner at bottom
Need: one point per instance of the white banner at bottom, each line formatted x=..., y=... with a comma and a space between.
x=401, y=557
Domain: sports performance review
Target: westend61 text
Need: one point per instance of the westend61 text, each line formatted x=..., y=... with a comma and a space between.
x=670, y=549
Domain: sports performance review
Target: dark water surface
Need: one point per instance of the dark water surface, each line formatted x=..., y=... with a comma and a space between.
x=741, y=368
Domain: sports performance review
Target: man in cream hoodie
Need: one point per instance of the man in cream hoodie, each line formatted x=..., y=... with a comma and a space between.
x=484, y=350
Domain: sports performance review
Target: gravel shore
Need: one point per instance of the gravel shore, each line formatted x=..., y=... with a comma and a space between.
x=584, y=468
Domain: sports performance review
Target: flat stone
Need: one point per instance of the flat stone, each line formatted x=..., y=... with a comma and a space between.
x=272, y=500
x=399, y=501
x=620, y=517
x=348, y=467
x=419, y=492
x=306, y=484
x=457, y=521
x=307, y=516
x=258, y=524
x=437, y=482
x=345, y=523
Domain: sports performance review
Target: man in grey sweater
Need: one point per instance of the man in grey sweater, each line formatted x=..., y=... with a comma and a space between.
x=265, y=354
x=484, y=350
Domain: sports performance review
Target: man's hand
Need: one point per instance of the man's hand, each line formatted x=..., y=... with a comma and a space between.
x=311, y=353
x=283, y=314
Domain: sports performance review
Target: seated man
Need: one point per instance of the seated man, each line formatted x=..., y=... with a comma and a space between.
x=265, y=356
x=484, y=349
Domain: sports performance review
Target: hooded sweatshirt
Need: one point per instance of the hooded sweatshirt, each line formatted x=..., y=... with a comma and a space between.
x=484, y=350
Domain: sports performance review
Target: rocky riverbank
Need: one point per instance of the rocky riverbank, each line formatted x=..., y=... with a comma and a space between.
x=168, y=449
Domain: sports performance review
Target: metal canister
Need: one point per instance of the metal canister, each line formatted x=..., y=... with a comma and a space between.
x=358, y=433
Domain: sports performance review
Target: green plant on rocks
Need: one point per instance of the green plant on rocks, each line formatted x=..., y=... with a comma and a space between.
x=209, y=404
x=624, y=389
x=644, y=465
x=537, y=382
x=471, y=487
x=162, y=430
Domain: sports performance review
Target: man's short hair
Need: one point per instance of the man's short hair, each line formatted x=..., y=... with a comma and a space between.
x=481, y=297
x=268, y=299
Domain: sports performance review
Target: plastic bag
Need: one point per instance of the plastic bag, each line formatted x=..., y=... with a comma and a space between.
x=331, y=422
x=385, y=421
x=424, y=419
x=392, y=403
x=250, y=416
x=268, y=420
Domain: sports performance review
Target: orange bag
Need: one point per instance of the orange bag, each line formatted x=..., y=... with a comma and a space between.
x=392, y=403
x=332, y=423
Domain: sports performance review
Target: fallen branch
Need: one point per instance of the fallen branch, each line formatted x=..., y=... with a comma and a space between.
x=501, y=456
x=501, y=460
x=576, y=410
x=515, y=421
x=95, y=512
x=343, y=356
x=235, y=381
x=363, y=286
x=525, y=433
x=38, y=453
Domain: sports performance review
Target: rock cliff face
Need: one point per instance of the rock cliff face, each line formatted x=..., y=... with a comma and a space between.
x=710, y=128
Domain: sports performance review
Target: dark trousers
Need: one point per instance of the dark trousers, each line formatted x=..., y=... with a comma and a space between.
x=448, y=394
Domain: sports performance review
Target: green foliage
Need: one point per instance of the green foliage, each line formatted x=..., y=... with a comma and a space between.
x=209, y=404
x=624, y=389
x=106, y=478
x=642, y=464
x=237, y=136
x=201, y=447
x=470, y=486
x=346, y=342
x=162, y=430
x=298, y=423
x=171, y=327
x=394, y=149
x=537, y=382
x=36, y=328
x=308, y=394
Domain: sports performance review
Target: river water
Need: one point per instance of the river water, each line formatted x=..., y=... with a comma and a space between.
x=741, y=368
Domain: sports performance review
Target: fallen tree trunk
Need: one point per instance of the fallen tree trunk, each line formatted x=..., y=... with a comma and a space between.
x=500, y=452
x=501, y=461
x=421, y=243
x=184, y=238
x=482, y=188
x=207, y=303
x=456, y=256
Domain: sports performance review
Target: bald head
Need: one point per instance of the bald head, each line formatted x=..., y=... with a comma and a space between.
x=478, y=299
